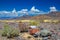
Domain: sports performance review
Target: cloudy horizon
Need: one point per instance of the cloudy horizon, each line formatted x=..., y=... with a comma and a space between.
x=32, y=12
x=15, y=8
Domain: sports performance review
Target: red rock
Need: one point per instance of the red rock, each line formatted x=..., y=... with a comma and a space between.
x=59, y=33
x=33, y=31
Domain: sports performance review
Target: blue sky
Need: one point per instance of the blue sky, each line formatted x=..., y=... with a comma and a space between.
x=27, y=4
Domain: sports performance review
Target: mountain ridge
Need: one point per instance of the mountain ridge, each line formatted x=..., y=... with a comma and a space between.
x=50, y=15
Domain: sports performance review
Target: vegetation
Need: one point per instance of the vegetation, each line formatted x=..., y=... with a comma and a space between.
x=10, y=32
x=45, y=32
x=52, y=21
x=23, y=27
x=34, y=23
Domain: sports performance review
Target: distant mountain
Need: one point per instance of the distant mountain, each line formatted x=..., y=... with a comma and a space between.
x=50, y=15
x=54, y=14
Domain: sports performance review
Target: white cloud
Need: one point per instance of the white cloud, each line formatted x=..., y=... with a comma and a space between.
x=34, y=10
x=8, y=13
x=53, y=9
x=23, y=11
x=14, y=10
x=4, y=12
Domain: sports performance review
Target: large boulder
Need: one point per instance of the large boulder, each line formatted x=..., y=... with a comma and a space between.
x=43, y=33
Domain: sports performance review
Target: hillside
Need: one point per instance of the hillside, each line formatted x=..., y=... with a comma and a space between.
x=51, y=15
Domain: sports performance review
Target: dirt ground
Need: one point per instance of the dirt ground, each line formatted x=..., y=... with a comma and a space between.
x=49, y=26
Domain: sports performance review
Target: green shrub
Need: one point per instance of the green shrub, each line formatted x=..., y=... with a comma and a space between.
x=6, y=30
x=10, y=32
x=34, y=23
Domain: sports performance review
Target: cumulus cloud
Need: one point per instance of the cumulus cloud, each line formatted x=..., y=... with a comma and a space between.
x=34, y=9
x=14, y=13
x=14, y=10
x=4, y=12
x=53, y=9
x=23, y=11
x=8, y=13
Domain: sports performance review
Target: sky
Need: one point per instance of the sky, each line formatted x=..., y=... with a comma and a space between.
x=44, y=5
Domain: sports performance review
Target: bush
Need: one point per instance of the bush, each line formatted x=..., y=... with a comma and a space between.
x=45, y=33
x=23, y=27
x=10, y=32
x=34, y=23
